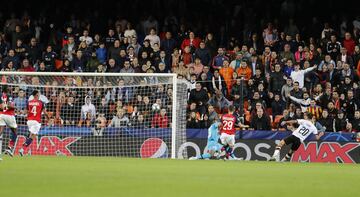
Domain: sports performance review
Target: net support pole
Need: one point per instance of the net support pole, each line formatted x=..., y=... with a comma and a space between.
x=174, y=116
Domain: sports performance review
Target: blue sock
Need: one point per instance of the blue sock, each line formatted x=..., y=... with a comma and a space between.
x=231, y=152
x=205, y=156
x=28, y=142
x=13, y=136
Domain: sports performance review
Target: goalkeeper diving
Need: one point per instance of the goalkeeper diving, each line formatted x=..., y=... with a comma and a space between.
x=213, y=147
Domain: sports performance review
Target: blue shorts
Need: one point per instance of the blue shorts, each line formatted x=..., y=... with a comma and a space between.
x=213, y=146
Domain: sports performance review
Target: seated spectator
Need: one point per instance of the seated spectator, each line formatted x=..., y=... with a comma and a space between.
x=326, y=121
x=277, y=105
x=356, y=121
x=260, y=121
x=219, y=102
x=140, y=122
x=192, y=121
x=199, y=96
x=211, y=114
x=153, y=37
x=120, y=120
x=339, y=123
x=160, y=120
x=88, y=111
x=69, y=112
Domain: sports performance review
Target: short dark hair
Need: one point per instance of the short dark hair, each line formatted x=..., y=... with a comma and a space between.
x=4, y=88
x=309, y=115
x=35, y=92
x=231, y=108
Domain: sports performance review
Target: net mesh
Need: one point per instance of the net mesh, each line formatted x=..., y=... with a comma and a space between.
x=101, y=115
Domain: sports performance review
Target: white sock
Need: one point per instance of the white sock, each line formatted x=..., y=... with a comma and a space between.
x=276, y=153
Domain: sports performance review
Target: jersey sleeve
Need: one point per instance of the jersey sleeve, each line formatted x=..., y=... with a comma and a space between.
x=315, y=130
x=301, y=121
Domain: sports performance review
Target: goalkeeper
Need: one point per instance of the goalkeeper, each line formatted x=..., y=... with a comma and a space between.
x=213, y=147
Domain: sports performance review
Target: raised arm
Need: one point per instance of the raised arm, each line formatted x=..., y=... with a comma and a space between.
x=288, y=122
x=310, y=69
x=299, y=101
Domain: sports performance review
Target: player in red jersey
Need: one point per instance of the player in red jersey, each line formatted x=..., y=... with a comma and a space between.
x=228, y=130
x=35, y=109
x=7, y=118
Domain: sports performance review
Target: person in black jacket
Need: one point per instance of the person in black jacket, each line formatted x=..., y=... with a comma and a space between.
x=260, y=121
x=339, y=122
x=326, y=121
x=199, y=96
x=356, y=121
x=277, y=105
x=277, y=80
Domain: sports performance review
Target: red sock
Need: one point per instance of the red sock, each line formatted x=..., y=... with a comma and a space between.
x=11, y=144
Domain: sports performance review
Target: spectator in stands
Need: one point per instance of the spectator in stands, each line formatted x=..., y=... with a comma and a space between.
x=88, y=111
x=219, y=102
x=204, y=54
x=326, y=121
x=69, y=112
x=260, y=121
x=20, y=103
x=199, y=96
x=153, y=37
x=356, y=121
x=227, y=73
x=277, y=105
x=218, y=83
x=192, y=121
x=344, y=57
x=333, y=47
x=244, y=71
x=103, y=108
x=141, y=122
x=192, y=42
x=298, y=75
x=218, y=60
x=49, y=58
x=277, y=80
x=120, y=120
x=349, y=128
x=270, y=35
x=239, y=93
x=339, y=123
x=160, y=120
x=287, y=54
x=211, y=114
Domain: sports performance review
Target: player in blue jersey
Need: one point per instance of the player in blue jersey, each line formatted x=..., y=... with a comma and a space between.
x=213, y=147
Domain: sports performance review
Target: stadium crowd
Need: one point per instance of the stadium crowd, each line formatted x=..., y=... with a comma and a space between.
x=272, y=74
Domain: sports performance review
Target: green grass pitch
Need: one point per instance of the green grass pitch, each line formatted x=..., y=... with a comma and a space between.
x=106, y=177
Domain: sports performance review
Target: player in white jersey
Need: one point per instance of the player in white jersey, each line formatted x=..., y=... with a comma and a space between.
x=305, y=129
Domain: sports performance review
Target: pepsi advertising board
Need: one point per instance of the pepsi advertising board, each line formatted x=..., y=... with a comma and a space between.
x=254, y=145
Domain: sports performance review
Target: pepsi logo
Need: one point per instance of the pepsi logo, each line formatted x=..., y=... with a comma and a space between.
x=154, y=148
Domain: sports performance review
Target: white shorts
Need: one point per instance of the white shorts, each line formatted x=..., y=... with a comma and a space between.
x=8, y=120
x=34, y=126
x=227, y=139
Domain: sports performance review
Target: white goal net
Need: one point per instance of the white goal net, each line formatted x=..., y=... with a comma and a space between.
x=98, y=114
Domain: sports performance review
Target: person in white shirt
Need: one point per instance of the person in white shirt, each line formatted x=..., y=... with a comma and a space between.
x=305, y=129
x=298, y=75
x=153, y=38
x=86, y=38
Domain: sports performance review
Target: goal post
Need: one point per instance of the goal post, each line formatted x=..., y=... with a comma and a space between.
x=102, y=114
